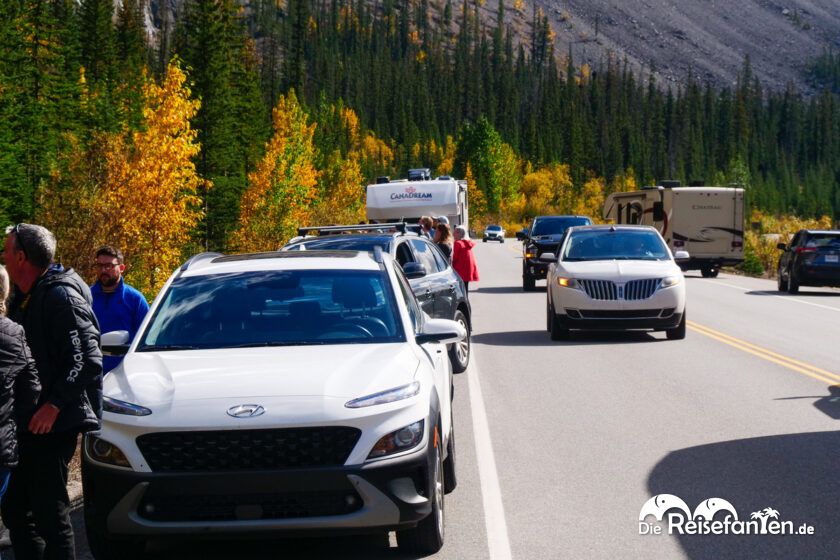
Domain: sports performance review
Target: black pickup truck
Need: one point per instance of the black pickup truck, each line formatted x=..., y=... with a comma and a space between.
x=544, y=236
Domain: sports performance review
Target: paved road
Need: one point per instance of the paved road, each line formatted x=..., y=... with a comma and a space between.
x=560, y=444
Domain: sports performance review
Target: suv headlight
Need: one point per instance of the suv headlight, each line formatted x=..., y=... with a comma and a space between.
x=671, y=281
x=564, y=282
x=384, y=397
x=105, y=452
x=121, y=407
x=399, y=440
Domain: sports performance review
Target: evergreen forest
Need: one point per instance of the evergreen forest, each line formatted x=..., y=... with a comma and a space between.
x=255, y=120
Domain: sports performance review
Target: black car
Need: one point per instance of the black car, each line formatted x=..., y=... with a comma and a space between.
x=438, y=288
x=811, y=259
x=544, y=236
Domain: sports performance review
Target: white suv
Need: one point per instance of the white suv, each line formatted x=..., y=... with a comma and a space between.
x=275, y=392
x=614, y=278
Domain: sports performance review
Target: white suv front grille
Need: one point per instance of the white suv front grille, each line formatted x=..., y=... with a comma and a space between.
x=607, y=290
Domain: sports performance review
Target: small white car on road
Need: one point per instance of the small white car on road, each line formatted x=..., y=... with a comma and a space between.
x=494, y=233
x=275, y=393
x=615, y=278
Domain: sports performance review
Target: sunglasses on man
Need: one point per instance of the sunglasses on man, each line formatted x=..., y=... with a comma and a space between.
x=16, y=230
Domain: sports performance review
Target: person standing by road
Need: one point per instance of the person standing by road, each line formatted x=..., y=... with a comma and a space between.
x=53, y=305
x=118, y=306
x=443, y=239
x=426, y=227
x=463, y=260
x=19, y=386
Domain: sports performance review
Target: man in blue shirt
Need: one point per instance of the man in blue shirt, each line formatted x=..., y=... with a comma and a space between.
x=118, y=306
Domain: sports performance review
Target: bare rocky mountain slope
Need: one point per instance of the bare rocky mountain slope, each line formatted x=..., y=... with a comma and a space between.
x=708, y=37
x=711, y=37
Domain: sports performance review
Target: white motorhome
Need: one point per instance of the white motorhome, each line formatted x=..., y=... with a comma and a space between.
x=708, y=222
x=404, y=200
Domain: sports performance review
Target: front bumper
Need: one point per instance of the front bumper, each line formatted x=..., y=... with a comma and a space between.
x=380, y=496
x=536, y=269
x=619, y=323
x=663, y=310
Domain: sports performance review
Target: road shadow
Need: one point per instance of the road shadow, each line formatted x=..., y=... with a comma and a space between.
x=505, y=290
x=542, y=338
x=794, y=474
x=827, y=404
x=801, y=293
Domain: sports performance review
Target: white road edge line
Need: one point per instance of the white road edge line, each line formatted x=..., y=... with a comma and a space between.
x=491, y=493
x=783, y=298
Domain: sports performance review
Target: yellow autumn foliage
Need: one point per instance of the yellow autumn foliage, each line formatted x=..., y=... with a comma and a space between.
x=343, y=201
x=137, y=191
x=765, y=231
x=282, y=188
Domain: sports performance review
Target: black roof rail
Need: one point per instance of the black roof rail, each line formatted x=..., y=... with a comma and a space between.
x=399, y=226
x=199, y=257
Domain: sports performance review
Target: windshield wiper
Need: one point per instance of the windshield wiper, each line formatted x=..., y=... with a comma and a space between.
x=285, y=343
x=156, y=347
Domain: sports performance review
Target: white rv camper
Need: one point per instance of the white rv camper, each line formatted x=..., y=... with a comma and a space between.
x=708, y=222
x=404, y=200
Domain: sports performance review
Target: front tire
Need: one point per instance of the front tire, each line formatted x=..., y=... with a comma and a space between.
x=450, y=479
x=558, y=331
x=459, y=352
x=529, y=283
x=427, y=537
x=792, y=284
x=780, y=282
x=709, y=272
x=104, y=547
x=677, y=333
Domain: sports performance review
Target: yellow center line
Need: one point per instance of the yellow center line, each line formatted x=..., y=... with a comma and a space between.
x=765, y=354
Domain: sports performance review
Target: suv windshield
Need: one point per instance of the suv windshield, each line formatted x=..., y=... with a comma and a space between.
x=275, y=308
x=557, y=225
x=494, y=228
x=600, y=245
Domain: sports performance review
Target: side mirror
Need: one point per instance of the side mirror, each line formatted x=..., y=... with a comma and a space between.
x=414, y=270
x=115, y=343
x=682, y=256
x=548, y=257
x=522, y=234
x=441, y=330
x=781, y=247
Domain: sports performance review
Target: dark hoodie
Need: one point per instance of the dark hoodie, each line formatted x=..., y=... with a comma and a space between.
x=19, y=389
x=63, y=335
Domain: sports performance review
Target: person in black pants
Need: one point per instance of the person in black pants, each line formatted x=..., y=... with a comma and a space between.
x=53, y=305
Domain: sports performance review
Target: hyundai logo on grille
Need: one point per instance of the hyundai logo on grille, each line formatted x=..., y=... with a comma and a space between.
x=246, y=411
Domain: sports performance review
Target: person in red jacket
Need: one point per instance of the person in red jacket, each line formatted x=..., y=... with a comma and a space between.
x=463, y=260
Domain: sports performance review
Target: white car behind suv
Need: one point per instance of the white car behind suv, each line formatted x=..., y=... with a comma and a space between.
x=275, y=392
x=615, y=278
x=494, y=233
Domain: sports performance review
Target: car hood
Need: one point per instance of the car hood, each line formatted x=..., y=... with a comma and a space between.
x=343, y=371
x=620, y=270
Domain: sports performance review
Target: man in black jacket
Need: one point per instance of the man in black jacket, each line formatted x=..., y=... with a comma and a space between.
x=53, y=304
